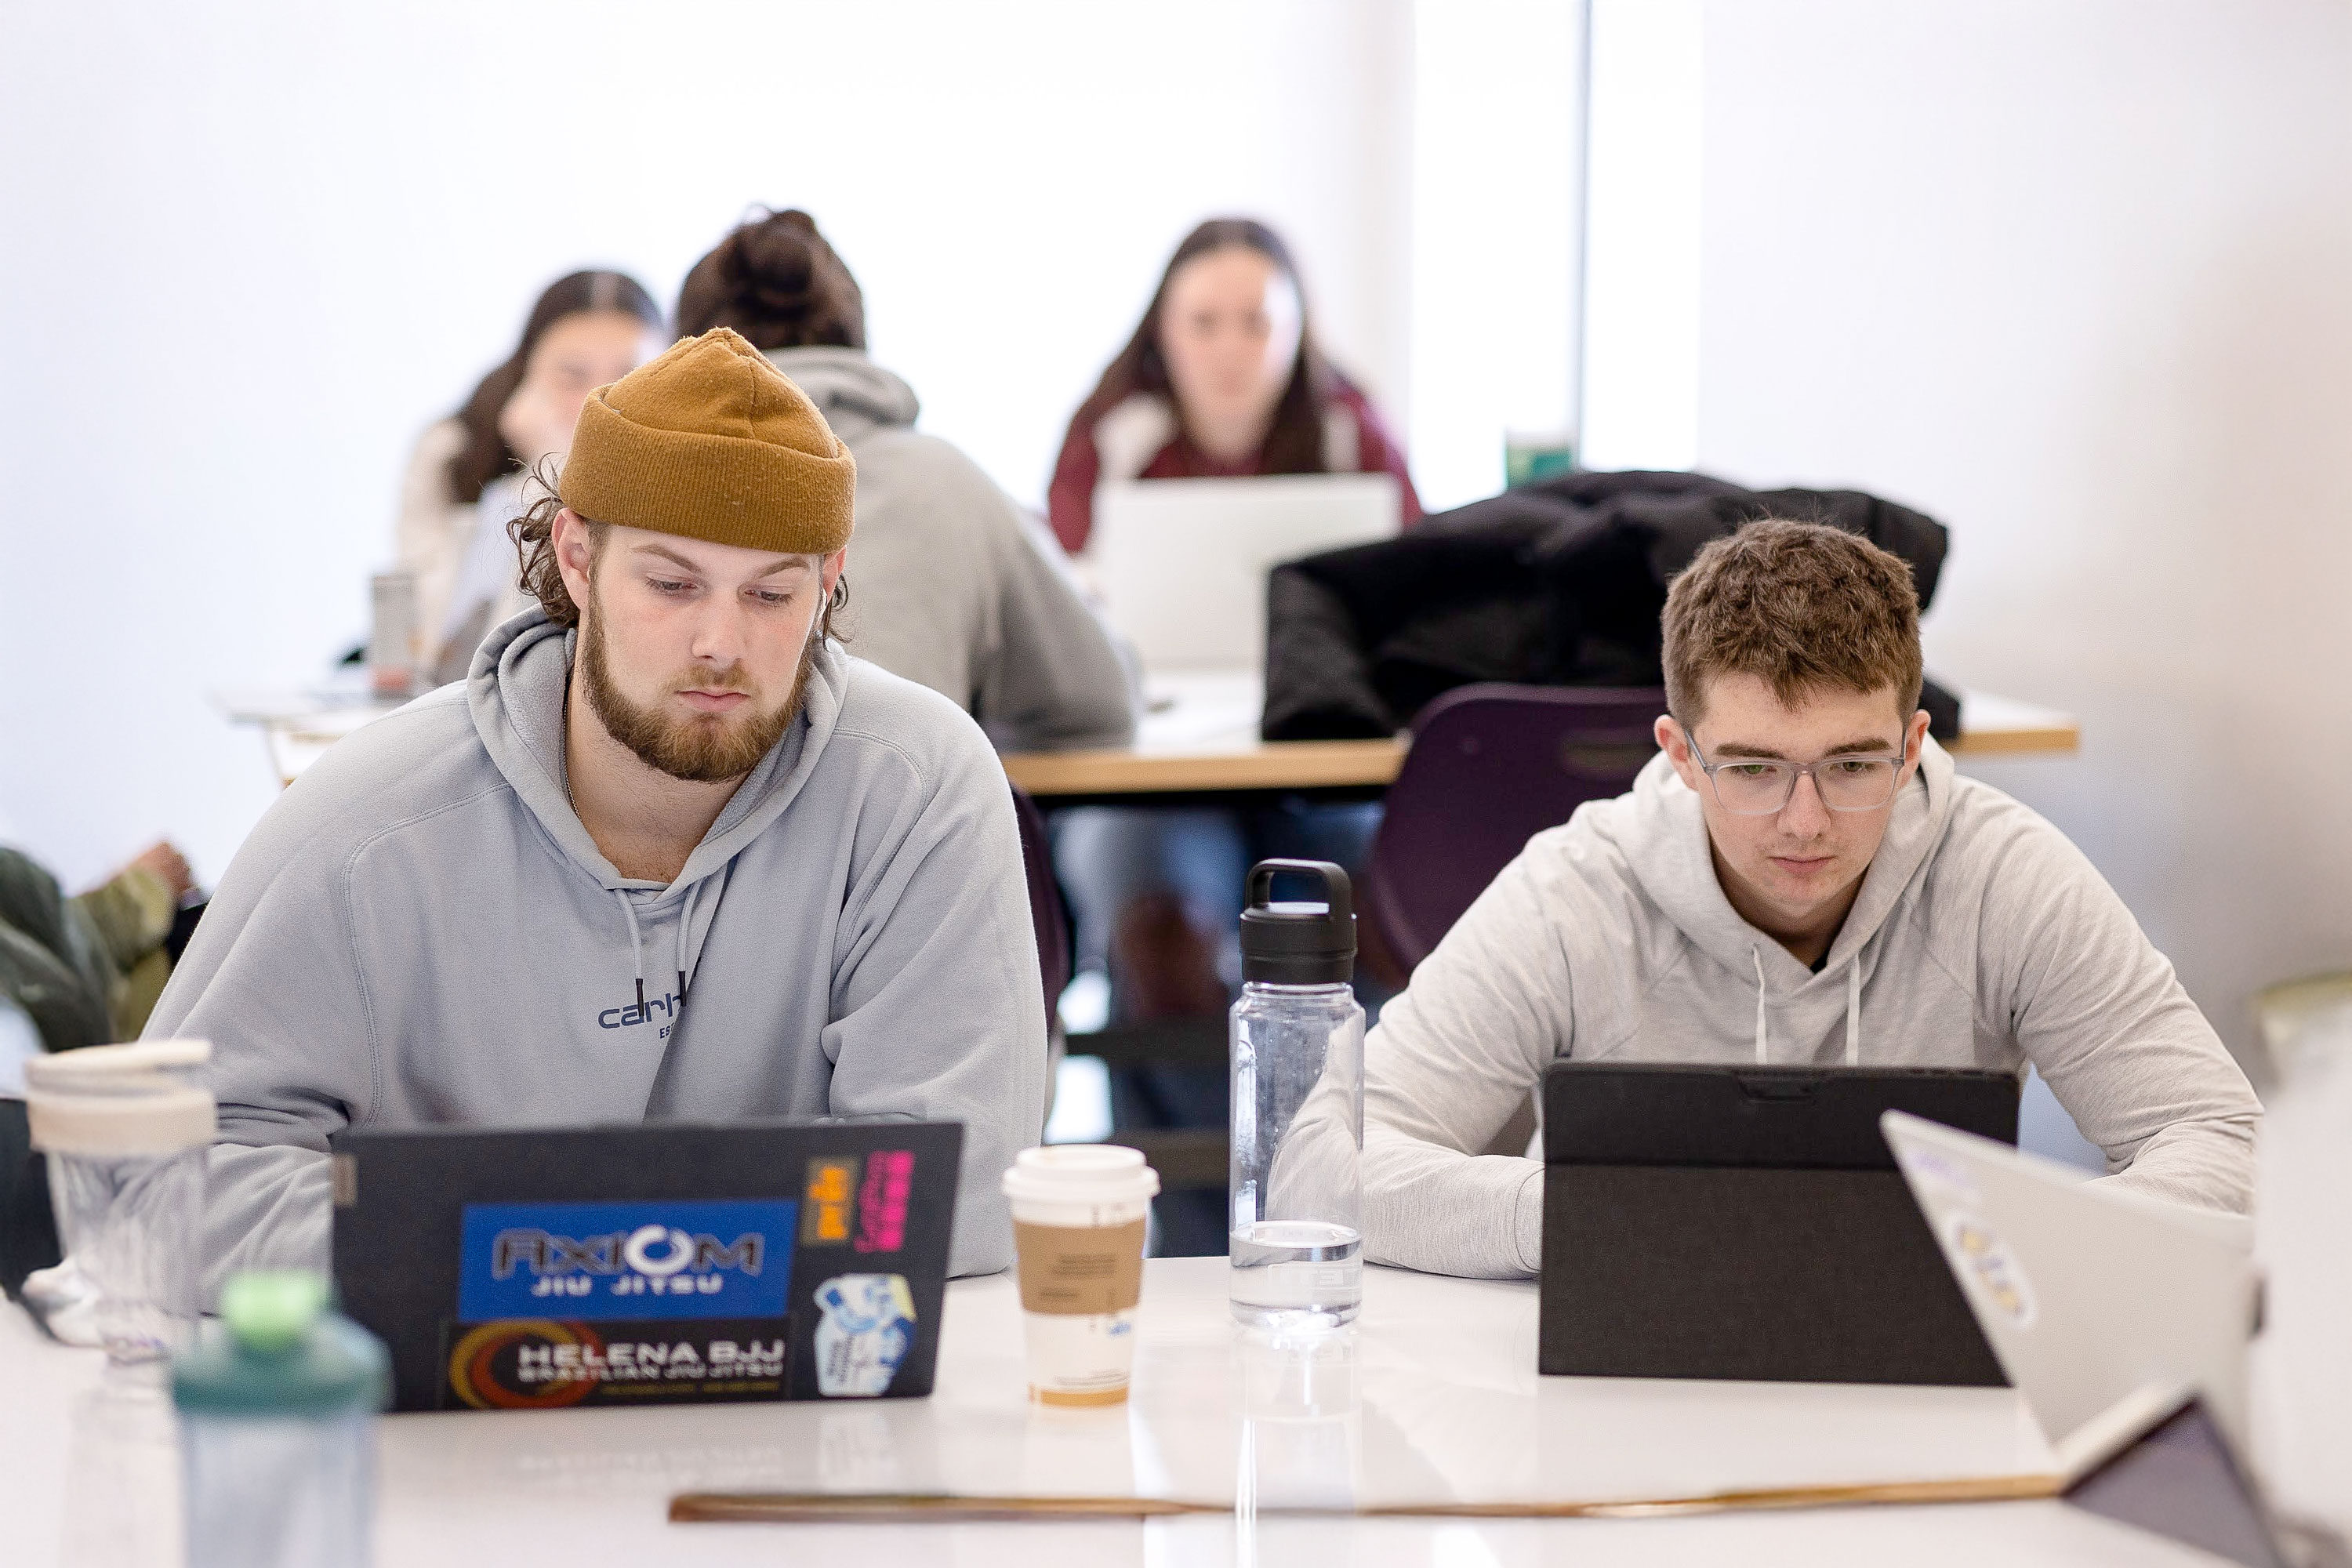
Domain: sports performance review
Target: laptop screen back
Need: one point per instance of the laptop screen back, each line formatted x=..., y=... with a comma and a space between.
x=1182, y=564
x=649, y=1265
x=1719, y=1222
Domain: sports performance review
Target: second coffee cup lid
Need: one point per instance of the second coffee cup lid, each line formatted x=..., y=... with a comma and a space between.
x=1080, y=1172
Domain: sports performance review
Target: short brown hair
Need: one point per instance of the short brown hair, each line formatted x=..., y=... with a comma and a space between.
x=1803, y=606
x=533, y=532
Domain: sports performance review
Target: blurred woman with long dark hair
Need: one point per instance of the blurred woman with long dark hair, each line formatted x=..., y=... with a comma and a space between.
x=1222, y=379
x=588, y=329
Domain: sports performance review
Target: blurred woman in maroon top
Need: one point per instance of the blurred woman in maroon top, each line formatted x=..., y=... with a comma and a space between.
x=1222, y=380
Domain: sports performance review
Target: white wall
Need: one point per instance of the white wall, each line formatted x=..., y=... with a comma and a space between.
x=1643, y=237
x=1493, y=180
x=2077, y=279
x=251, y=251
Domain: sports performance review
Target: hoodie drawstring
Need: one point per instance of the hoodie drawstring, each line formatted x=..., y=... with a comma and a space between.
x=637, y=943
x=685, y=928
x=1853, y=1010
x=638, y=940
x=1760, y=1052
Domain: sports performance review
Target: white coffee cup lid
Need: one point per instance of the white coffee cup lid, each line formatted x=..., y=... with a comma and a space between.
x=176, y=1117
x=112, y=1102
x=96, y=1066
x=1080, y=1173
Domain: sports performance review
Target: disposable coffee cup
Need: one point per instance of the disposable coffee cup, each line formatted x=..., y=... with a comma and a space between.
x=1078, y=1212
x=395, y=631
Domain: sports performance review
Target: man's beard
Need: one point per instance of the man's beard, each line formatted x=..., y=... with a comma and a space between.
x=705, y=749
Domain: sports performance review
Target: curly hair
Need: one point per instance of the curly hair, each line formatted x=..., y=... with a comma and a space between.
x=1803, y=606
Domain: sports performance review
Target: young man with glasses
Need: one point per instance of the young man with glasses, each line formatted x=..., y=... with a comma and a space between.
x=1801, y=877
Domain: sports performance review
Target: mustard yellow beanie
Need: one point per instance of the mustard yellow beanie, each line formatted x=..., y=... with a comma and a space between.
x=713, y=442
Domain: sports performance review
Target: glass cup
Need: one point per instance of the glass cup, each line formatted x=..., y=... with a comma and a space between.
x=1078, y=1218
x=126, y=1133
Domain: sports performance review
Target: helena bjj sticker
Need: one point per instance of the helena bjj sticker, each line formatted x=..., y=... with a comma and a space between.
x=541, y=1363
x=655, y=1258
x=1984, y=1258
x=866, y=1331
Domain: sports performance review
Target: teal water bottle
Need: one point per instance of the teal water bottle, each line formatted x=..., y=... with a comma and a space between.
x=277, y=1402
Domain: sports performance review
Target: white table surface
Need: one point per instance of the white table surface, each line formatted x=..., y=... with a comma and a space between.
x=1433, y=1396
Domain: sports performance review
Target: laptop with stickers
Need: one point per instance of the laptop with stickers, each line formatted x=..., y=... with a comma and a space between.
x=537, y=1269
x=2087, y=1294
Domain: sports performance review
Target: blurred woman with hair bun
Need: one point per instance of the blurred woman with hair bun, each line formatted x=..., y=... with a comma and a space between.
x=955, y=586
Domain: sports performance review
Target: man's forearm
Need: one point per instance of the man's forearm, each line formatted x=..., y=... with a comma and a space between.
x=1439, y=1210
x=264, y=1208
x=2207, y=1163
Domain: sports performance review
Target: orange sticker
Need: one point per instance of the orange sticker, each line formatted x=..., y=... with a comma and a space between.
x=830, y=1201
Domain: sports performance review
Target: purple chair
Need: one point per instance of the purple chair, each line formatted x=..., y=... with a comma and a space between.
x=1490, y=766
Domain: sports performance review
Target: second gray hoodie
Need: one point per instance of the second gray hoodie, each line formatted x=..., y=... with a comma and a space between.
x=951, y=583
x=422, y=933
x=1980, y=938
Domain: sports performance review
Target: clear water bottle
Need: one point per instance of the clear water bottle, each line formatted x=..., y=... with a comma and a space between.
x=277, y=1405
x=1298, y=1038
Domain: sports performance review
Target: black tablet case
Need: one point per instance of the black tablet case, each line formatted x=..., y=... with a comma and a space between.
x=1717, y=1221
x=400, y=1199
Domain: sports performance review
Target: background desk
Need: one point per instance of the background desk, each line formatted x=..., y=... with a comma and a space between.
x=1200, y=736
x=1433, y=1397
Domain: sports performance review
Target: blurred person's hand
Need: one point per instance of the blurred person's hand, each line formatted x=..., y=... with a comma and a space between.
x=537, y=421
x=576, y=356
x=169, y=864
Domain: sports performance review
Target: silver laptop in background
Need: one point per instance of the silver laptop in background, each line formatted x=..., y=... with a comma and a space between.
x=1181, y=563
x=2091, y=1297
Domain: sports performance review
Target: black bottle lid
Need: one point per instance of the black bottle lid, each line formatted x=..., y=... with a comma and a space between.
x=1298, y=943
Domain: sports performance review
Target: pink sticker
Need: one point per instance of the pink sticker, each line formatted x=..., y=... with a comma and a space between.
x=882, y=1200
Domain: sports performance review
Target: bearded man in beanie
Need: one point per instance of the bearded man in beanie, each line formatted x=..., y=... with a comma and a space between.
x=667, y=853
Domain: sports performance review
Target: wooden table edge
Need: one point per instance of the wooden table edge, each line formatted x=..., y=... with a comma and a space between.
x=1338, y=764
x=1262, y=764
x=2039, y=740
x=728, y=1507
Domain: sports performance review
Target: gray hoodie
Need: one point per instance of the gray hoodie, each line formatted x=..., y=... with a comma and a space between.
x=954, y=585
x=421, y=932
x=1980, y=938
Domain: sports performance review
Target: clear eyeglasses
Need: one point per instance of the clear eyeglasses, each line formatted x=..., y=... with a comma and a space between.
x=1762, y=786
